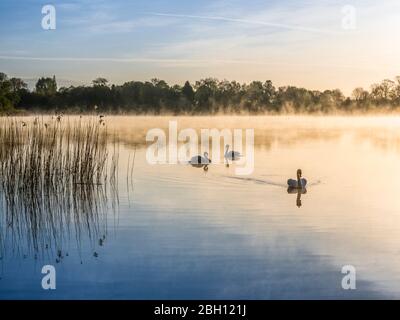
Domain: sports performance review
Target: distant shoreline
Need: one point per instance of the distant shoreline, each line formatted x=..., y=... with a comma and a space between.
x=207, y=96
x=354, y=113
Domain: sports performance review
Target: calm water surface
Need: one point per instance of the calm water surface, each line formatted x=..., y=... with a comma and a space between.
x=175, y=231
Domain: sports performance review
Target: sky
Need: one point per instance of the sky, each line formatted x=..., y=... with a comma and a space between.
x=314, y=44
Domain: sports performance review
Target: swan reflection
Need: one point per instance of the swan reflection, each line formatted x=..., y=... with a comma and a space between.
x=299, y=192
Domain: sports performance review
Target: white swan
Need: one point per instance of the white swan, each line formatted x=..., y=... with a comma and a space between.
x=300, y=183
x=231, y=155
x=199, y=160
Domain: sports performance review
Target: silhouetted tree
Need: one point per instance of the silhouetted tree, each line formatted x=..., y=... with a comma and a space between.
x=99, y=82
x=188, y=92
x=207, y=96
x=46, y=86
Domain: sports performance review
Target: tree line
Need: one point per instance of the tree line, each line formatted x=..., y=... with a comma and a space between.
x=206, y=96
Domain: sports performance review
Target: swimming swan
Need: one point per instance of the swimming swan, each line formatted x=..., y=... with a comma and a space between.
x=300, y=183
x=231, y=155
x=199, y=160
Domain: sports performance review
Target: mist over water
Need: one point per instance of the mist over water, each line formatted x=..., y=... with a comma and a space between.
x=175, y=231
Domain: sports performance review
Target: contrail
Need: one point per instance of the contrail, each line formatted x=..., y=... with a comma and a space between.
x=246, y=21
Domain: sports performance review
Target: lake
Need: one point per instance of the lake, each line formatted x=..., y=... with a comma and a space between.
x=173, y=231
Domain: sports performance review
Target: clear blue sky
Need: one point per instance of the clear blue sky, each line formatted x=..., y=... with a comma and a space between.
x=300, y=42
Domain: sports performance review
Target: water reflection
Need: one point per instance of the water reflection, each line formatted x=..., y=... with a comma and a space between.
x=218, y=235
x=40, y=221
x=230, y=160
x=299, y=192
x=199, y=165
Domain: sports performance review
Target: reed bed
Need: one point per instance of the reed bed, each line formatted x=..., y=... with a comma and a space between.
x=55, y=175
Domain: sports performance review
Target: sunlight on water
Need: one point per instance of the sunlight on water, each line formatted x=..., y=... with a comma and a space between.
x=175, y=231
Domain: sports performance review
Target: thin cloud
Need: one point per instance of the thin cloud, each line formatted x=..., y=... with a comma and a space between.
x=247, y=21
x=181, y=62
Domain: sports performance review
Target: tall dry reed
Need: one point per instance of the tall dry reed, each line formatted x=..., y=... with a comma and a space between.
x=54, y=175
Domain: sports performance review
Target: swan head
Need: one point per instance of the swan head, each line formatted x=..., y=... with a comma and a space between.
x=299, y=172
x=227, y=146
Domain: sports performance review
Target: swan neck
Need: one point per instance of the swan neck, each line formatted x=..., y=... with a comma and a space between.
x=299, y=180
